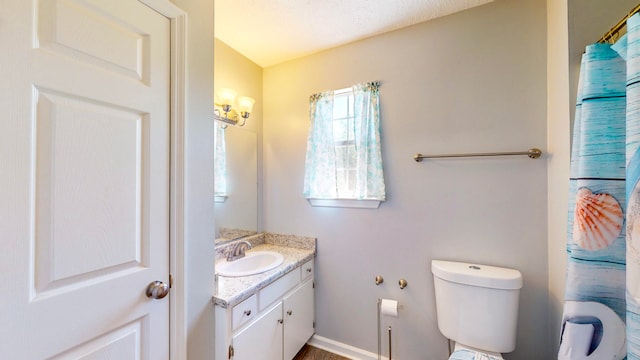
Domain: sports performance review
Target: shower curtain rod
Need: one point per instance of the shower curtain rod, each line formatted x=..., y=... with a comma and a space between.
x=619, y=26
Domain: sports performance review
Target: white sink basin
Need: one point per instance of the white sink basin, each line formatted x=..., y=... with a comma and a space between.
x=255, y=262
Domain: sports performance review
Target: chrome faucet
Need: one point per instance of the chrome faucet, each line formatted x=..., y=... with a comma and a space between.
x=238, y=250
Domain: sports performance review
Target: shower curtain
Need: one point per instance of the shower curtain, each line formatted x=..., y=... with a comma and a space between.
x=604, y=197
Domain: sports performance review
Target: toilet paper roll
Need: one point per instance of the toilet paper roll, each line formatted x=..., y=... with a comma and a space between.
x=389, y=307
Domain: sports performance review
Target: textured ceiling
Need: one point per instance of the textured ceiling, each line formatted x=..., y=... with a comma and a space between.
x=273, y=31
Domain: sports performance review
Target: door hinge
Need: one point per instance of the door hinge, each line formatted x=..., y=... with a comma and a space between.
x=313, y=284
x=170, y=281
x=231, y=351
x=314, y=324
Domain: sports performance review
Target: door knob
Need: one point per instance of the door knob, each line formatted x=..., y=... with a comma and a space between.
x=157, y=290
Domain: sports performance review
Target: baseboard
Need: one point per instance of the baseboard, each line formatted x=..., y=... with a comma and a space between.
x=342, y=349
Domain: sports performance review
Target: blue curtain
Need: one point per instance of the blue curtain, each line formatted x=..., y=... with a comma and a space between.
x=369, y=179
x=220, y=160
x=630, y=49
x=603, y=246
x=320, y=180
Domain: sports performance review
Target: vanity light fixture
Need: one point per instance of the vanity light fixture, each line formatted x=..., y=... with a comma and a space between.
x=227, y=98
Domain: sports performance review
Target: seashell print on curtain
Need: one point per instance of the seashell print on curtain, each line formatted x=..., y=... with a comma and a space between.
x=597, y=220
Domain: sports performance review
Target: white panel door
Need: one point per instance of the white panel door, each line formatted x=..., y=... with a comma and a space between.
x=84, y=179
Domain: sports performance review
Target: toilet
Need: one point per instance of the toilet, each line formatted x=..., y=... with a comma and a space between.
x=591, y=330
x=477, y=308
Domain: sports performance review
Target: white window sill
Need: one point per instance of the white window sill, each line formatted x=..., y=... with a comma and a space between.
x=220, y=198
x=345, y=203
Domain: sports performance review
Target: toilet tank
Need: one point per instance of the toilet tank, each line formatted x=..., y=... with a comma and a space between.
x=477, y=305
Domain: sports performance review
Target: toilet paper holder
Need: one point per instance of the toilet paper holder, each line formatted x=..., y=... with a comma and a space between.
x=379, y=311
x=379, y=280
x=403, y=283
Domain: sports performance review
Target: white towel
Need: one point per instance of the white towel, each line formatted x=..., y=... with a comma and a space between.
x=576, y=341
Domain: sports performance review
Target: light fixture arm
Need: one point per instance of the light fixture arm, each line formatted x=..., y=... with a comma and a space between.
x=225, y=118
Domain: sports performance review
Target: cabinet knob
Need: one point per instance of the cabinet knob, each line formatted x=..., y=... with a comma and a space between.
x=280, y=321
x=308, y=270
x=289, y=312
x=247, y=312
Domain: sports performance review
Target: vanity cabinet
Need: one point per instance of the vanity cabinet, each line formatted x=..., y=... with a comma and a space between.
x=272, y=324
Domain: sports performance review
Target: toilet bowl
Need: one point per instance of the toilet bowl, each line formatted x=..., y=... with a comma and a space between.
x=591, y=330
x=463, y=352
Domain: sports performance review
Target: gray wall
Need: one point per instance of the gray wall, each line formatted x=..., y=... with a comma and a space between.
x=469, y=82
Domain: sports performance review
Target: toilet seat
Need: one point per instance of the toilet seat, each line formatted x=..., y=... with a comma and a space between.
x=462, y=352
x=612, y=345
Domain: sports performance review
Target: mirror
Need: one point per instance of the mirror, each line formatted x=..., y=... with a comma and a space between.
x=236, y=212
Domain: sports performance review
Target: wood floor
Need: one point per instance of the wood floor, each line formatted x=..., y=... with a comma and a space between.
x=312, y=353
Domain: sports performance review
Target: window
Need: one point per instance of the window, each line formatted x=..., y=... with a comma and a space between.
x=344, y=142
x=344, y=163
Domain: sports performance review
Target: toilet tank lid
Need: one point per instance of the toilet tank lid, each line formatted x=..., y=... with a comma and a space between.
x=477, y=275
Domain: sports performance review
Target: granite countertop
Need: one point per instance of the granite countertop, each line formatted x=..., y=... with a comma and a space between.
x=232, y=290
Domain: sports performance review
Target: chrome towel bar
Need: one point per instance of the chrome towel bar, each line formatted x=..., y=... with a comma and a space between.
x=532, y=153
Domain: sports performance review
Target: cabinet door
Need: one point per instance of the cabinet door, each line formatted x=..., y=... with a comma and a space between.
x=261, y=339
x=298, y=319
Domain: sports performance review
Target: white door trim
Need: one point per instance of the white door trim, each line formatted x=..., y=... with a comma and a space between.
x=177, y=307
